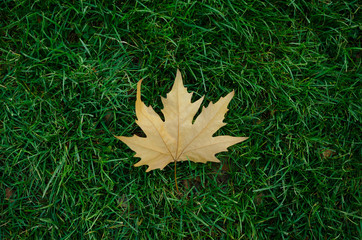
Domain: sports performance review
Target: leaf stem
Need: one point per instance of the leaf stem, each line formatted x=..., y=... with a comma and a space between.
x=176, y=180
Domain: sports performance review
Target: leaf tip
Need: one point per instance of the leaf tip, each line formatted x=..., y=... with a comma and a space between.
x=139, y=90
x=118, y=137
x=232, y=93
x=242, y=139
x=178, y=78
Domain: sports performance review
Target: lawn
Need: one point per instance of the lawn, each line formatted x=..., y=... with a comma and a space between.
x=68, y=78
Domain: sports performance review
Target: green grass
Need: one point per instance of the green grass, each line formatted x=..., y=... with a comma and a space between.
x=68, y=74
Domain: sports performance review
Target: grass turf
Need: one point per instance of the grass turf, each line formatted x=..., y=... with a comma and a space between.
x=68, y=73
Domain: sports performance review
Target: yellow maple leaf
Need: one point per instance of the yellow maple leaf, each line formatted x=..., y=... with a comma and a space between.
x=178, y=138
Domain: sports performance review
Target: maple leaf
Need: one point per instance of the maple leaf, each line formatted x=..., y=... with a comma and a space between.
x=178, y=138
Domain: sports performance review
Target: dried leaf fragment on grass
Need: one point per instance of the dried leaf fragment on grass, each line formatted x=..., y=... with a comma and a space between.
x=9, y=194
x=327, y=153
x=178, y=138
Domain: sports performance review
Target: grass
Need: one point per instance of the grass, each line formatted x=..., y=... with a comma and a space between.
x=68, y=74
